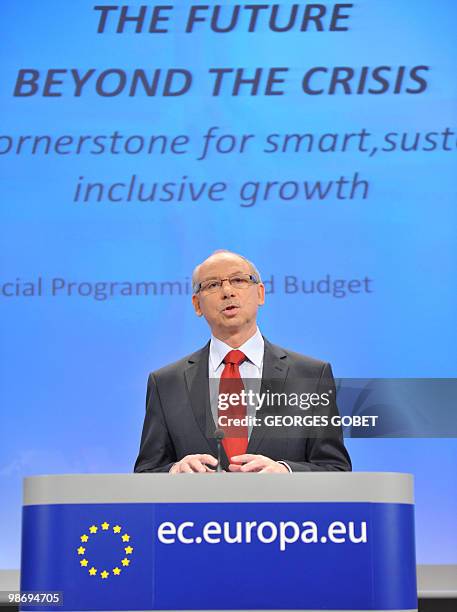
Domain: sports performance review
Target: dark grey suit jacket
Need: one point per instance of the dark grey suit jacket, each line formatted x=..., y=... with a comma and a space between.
x=178, y=419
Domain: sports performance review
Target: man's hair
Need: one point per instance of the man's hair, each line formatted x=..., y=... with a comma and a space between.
x=254, y=270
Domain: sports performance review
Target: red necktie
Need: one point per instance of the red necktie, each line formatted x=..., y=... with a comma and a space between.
x=236, y=436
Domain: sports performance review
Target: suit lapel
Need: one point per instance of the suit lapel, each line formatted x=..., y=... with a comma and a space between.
x=196, y=375
x=275, y=369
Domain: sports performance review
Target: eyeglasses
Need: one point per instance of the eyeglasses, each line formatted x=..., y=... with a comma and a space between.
x=237, y=281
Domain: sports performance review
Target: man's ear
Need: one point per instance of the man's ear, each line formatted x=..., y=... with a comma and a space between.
x=260, y=294
x=196, y=303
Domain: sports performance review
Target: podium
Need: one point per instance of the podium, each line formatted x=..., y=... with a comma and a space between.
x=307, y=541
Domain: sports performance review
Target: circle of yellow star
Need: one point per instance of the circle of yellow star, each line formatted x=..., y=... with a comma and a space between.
x=81, y=550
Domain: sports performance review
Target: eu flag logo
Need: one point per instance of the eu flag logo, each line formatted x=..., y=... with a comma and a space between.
x=93, y=560
x=99, y=556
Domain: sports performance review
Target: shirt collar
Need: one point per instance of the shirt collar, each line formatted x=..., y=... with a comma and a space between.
x=252, y=348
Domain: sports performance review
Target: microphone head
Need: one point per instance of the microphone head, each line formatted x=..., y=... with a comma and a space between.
x=219, y=434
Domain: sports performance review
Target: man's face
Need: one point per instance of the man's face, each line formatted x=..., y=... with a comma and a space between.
x=228, y=309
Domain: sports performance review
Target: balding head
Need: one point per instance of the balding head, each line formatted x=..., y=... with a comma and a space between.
x=221, y=255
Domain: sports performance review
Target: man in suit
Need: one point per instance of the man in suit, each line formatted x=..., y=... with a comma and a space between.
x=183, y=406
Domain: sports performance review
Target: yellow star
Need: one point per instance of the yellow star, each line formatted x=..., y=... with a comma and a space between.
x=84, y=538
x=125, y=562
x=117, y=529
x=126, y=537
x=92, y=571
x=104, y=574
x=105, y=526
x=84, y=562
x=128, y=550
x=117, y=571
x=81, y=550
x=93, y=529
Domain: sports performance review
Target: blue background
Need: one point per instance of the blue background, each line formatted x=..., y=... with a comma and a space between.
x=74, y=369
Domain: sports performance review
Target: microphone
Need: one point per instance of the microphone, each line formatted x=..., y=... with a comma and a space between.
x=219, y=435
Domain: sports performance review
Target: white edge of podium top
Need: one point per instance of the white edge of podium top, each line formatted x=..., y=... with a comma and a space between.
x=374, y=487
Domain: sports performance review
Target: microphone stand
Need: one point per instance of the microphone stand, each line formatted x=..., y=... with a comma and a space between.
x=219, y=435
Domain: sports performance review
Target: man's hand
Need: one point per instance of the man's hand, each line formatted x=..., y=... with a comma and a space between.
x=194, y=464
x=256, y=463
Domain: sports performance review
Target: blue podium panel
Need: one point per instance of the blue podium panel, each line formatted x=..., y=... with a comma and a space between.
x=207, y=555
